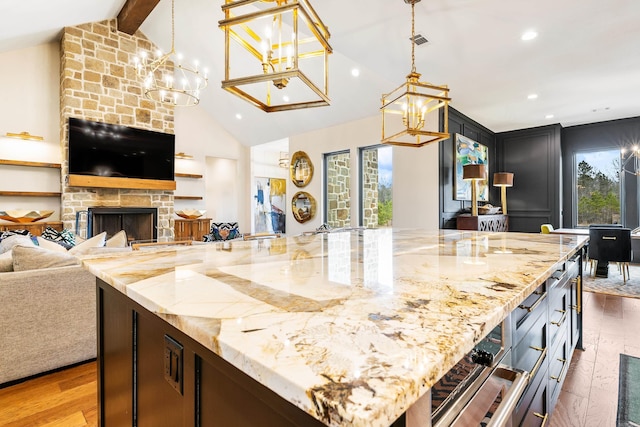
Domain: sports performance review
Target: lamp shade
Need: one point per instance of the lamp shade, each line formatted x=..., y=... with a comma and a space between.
x=503, y=179
x=472, y=171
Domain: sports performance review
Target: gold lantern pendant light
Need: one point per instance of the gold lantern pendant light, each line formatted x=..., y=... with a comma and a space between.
x=167, y=79
x=410, y=112
x=280, y=60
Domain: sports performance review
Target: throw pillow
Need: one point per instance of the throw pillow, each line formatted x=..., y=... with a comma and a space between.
x=35, y=258
x=222, y=231
x=97, y=241
x=17, y=239
x=8, y=233
x=65, y=237
x=48, y=244
x=6, y=262
x=118, y=240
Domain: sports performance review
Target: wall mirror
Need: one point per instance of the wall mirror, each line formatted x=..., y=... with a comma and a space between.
x=304, y=206
x=301, y=169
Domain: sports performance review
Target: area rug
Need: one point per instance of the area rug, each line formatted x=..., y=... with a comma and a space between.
x=613, y=285
x=629, y=392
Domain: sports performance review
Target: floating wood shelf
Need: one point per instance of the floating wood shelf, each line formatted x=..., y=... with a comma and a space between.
x=187, y=197
x=32, y=164
x=30, y=194
x=117, y=182
x=187, y=175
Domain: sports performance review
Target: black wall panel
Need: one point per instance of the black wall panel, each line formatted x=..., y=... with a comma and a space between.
x=534, y=156
x=459, y=123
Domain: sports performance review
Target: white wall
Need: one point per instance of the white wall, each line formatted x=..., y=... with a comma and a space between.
x=416, y=185
x=415, y=174
x=200, y=135
x=30, y=103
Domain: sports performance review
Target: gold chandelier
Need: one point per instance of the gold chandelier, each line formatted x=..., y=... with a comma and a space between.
x=169, y=80
x=281, y=59
x=407, y=118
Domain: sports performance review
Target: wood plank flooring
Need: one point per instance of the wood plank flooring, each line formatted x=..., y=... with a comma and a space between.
x=589, y=396
x=66, y=398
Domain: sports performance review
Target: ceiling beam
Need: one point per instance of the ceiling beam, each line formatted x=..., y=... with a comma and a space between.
x=133, y=14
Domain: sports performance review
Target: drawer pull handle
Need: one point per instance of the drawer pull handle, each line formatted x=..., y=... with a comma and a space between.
x=608, y=237
x=564, y=367
x=579, y=294
x=534, y=371
x=562, y=319
x=535, y=304
x=544, y=418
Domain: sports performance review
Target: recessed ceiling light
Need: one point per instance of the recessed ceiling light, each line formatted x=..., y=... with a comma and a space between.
x=532, y=96
x=239, y=116
x=355, y=72
x=285, y=98
x=529, y=35
x=549, y=116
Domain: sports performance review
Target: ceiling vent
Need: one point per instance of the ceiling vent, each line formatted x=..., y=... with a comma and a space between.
x=419, y=39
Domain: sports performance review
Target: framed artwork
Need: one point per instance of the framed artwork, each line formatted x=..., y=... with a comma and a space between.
x=469, y=151
x=270, y=205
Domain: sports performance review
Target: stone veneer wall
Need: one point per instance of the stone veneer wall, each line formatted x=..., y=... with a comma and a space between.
x=99, y=83
x=338, y=185
x=370, y=188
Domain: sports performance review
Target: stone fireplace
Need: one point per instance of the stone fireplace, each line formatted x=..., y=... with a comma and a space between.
x=140, y=224
x=98, y=82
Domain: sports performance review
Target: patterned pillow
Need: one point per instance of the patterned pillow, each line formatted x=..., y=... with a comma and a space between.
x=222, y=231
x=65, y=237
x=9, y=233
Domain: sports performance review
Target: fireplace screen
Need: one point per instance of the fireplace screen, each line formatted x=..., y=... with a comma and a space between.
x=140, y=224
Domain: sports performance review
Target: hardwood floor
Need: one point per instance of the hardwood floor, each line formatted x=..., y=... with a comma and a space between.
x=589, y=396
x=63, y=399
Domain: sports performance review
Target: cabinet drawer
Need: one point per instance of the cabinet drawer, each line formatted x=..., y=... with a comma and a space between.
x=530, y=353
x=572, y=266
x=559, y=361
x=529, y=312
x=534, y=411
x=559, y=311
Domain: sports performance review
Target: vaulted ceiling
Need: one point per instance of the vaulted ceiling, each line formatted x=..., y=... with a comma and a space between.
x=584, y=66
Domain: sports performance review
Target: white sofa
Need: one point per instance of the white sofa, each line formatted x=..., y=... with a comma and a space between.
x=47, y=307
x=47, y=320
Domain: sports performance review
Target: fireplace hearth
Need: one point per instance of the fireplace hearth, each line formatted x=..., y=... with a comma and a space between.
x=140, y=224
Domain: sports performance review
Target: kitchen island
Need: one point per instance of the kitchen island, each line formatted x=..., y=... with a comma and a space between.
x=337, y=329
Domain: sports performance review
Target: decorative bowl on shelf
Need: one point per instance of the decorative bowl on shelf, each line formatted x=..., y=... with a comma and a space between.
x=190, y=213
x=488, y=209
x=24, y=215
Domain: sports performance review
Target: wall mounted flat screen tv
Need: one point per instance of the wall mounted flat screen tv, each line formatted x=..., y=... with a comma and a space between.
x=106, y=150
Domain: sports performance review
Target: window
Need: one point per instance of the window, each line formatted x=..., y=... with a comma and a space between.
x=376, y=189
x=598, y=187
x=337, y=189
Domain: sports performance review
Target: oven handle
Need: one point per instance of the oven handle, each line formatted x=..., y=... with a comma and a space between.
x=506, y=407
x=503, y=414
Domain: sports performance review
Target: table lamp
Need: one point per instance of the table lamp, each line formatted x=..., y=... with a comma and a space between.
x=503, y=180
x=474, y=173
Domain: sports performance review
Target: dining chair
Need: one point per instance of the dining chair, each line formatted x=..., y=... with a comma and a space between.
x=612, y=244
x=546, y=228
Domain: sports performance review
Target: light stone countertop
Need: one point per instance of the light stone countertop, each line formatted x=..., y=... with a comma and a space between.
x=351, y=327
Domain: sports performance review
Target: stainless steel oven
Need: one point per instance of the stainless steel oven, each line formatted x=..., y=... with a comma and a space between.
x=481, y=389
